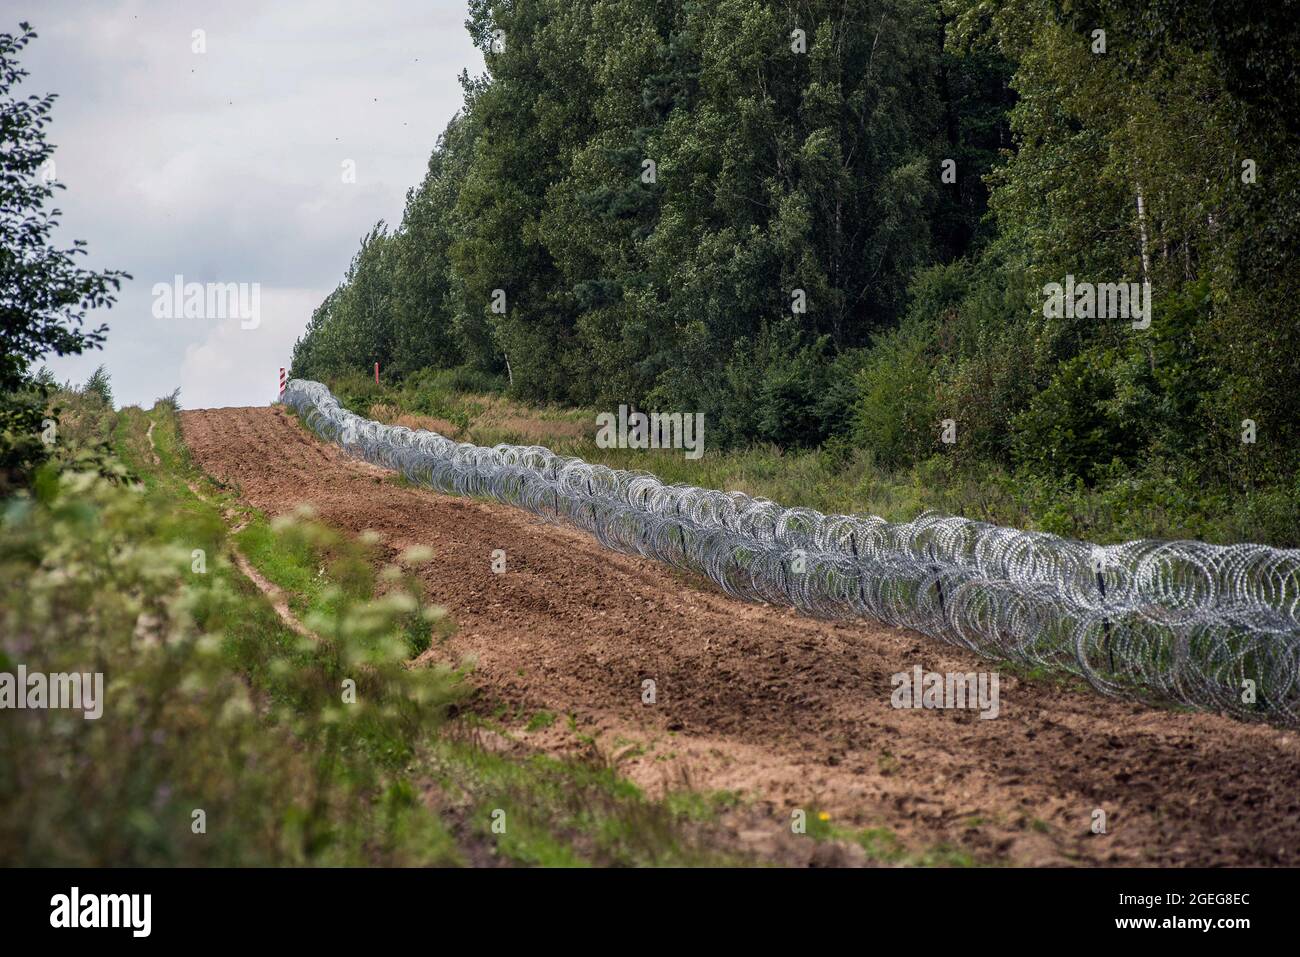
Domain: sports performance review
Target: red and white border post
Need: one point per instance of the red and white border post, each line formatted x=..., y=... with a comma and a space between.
x=282, y=382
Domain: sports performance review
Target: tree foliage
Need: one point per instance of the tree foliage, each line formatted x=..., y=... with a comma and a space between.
x=44, y=293
x=739, y=207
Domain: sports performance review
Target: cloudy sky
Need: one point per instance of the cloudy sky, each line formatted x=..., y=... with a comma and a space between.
x=228, y=165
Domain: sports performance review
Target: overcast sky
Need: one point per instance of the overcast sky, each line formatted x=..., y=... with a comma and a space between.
x=227, y=165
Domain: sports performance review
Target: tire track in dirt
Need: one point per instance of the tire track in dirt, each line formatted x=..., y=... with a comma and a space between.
x=791, y=711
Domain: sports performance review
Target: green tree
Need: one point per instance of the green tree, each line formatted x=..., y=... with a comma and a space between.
x=44, y=294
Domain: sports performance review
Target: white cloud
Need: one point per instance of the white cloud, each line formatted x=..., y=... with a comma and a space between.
x=237, y=366
x=225, y=166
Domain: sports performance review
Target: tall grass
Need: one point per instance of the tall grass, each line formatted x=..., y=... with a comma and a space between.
x=225, y=738
x=1155, y=501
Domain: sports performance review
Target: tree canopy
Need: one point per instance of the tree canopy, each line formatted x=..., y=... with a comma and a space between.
x=819, y=221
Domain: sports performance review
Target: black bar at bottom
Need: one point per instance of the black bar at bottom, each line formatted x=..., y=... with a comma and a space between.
x=336, y=907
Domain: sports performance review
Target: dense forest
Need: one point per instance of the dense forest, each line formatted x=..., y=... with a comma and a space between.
x=832, y=222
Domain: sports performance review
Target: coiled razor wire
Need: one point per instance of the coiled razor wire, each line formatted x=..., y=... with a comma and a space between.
x=1186, y=623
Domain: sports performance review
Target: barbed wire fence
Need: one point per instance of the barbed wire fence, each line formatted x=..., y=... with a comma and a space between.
x=1166, y=622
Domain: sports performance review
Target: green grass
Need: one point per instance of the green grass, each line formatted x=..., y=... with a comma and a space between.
x=884, y=847
x=561, y=813
x=699, y=806
x=224, y=739
x=541, y=720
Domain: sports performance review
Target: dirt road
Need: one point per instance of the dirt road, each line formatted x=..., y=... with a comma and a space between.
x=792, y=712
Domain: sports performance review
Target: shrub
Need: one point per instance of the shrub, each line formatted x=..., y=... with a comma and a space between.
x=99, y=386
x=774, y=390
x=209, y=702
x=1075, y=428
x=895, y=416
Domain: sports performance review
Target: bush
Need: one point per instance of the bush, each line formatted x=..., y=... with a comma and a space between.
x=209, y=703
x=772, y=390
x=359, y=392
x=99, y=387
x=466, y=379
x=895, y=416
x=24, y=415
x=1075, y=428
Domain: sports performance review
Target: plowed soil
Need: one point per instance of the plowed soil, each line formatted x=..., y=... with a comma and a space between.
x=789, y=712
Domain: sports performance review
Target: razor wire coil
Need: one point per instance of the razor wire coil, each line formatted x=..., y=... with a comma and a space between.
x=1212, y=627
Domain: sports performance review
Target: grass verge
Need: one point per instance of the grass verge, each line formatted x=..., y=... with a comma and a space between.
x=1154, y=502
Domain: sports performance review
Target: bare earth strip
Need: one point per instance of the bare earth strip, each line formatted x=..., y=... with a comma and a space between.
x=790, y=711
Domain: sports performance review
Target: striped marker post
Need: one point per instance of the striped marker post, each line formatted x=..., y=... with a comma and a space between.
x=282, y=381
